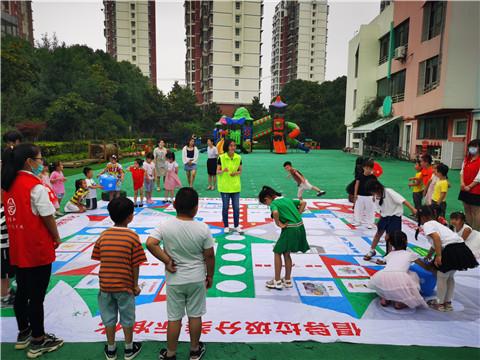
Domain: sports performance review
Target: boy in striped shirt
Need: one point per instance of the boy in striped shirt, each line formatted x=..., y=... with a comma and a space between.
x=120, y=253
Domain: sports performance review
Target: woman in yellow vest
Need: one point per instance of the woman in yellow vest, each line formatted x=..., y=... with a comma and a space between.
x=229, y=170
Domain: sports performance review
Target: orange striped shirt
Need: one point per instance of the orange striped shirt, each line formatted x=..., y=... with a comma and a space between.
x=119, y=251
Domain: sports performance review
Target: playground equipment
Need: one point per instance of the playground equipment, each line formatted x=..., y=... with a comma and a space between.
x=244, y=130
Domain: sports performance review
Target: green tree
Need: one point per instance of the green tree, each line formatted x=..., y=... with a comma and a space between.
x=256, y=109
x=370, y=112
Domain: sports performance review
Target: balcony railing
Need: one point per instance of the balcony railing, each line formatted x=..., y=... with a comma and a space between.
x=398, y=98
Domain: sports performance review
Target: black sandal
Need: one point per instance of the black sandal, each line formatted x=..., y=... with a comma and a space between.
x=198, y=354
x=162, y=355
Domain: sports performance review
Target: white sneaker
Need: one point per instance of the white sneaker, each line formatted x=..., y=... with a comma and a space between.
x=239, y=229
x=226, y=230
x=370, y=226
x=287, y=284
x=272, y=284
x=356, y=224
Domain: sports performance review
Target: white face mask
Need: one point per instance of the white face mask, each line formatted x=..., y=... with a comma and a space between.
x=473, y=150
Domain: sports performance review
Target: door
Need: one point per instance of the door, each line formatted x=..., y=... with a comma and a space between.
x=408, y=136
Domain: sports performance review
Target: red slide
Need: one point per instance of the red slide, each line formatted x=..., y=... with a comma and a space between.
x=279, y=146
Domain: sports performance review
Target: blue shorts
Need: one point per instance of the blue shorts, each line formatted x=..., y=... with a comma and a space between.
x=190, y=167
x=112, y=304
x=148, y=186
x=390, y=224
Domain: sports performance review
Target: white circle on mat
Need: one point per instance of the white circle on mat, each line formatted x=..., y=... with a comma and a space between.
x=232, y=270
x=256, y=232
x=344, y=232
x=235, y=237
x=233, y=257
x=95, y=230
x=333, y=208
x=234, y=246
x=215, y=231
x=316, y=232
x=231, y=286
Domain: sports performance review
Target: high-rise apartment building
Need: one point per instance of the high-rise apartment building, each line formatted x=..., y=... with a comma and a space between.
x=299, y=42
x=17, y=19
x=130, y=34
x=223, y=59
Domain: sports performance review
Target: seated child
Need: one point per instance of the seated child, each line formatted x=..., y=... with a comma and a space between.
x=75, y=204
x=451, y=254
x=302, y=183
x=189, y=260
x=120, y=253
x=91, y=198
x=395, y=283
x=469, y=235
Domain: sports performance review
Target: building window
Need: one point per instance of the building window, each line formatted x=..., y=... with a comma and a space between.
x=237, y=70
x=311, y=61
x=382, y=87
x=313, y=37
x=237, y=95
x=433, y=128
x=132, y=15
x=134, y=49
x=237, y=57
x=314, y=6
x=429, y=75
x=398, y=86
x=134, y=58
x=313, y=29
x=237, y=19
x=134, y=41
x=313, y=22
x=237, y=5
x=311, y=68
x=313, y=14
x=132, y=23
x=356, y=62
x=237, y=31
x=354, y=99
x=237, y=82
x=312, y=53
x=401, y=34
x=384, y=47
x=433, y=17
x=237, y=44
x=311, y=76
x=460, y=127
x=132, y=6
x=133, y=32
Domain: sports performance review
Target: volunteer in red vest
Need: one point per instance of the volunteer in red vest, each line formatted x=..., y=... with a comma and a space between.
x=470, y=184
x=33, y=235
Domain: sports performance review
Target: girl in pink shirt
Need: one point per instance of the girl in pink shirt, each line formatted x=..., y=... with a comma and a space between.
x=58, y=180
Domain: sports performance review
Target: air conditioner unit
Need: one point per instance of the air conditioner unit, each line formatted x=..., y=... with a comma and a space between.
x=400, y=52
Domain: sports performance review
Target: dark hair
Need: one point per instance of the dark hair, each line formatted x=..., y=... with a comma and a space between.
x=13, y=160
x=12, y=136
x=442, y=169
x=427, y=158
x=474, y=142
x=267, y=191
x=287, y=163
x=158, y=141
x=211, y=139
x=398, y=240
x=358, y=166
x=369, y=163
x=139, y=162
x=170, y=155
x=423, y=211
x=190, y=139
x=458, y=215
x=373, y=186
x=226, y=145
x=417, y=162
x=150, y=156
x=120, y=209
x=86, y=170
x=186, y=201
x=360, y=160
x=78, y=183
x=56, y=164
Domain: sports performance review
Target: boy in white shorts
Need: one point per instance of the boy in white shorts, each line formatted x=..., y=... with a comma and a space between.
x=189, y=261
x=302, y=183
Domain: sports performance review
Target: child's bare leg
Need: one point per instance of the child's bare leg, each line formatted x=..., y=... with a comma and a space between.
x=195, y=325
x=314, y=188
x=288, y=266
x=141, y=195
x=111, y=334
x=387, y=242
x=278, y=266
x=376, y=239
x=128, y=332
x=135, y=195
x=173, y=333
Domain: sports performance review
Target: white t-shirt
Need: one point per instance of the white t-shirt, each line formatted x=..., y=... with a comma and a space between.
x=447, y=236
x=392, y=203
x=399, y=260
x=149, y=170
x=184, y=241
x=92, y=193
x=212, y=152
x=172, y=166
x=474, y=235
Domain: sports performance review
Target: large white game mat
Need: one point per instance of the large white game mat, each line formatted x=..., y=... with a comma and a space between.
x=330, y=300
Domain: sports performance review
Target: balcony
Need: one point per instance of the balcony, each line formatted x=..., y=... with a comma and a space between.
x=398, y=98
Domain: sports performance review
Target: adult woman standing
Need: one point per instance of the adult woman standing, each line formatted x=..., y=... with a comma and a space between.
x=190, y=158
x=229, y=169
x=159, y=157
x=470, y=184
x=212, y=164
x=33, y=238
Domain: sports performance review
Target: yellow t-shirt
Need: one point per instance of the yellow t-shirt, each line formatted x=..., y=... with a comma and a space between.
x=420, y=186
x=440, y=187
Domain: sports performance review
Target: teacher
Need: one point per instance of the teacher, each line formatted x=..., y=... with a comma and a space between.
x=229, y=170
x=470, y=184
x=159, y=156
x=190, y=158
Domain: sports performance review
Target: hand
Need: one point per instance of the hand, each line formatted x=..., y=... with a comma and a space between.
x=438, y=260
x=137, y=290
x=233, y=174
x=282, y=225
x=208, y=282
x=466, y=188
x=171, y=267
x=414, y=212
x=56, y=243
x=355, y=199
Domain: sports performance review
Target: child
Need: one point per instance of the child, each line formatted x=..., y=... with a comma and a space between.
x=138, y=176
x=115, y=169
x=390, y=204
x=45, y=178
x=395, y=282
x=287, y=214
x=451, y=254
x=469, y=235
x=7, y=271
x=172, y=180
x=149, y=167
x=120, y=253
x=75, y=205
x=430, y=184
x=440, y=189
x=301, y=181
x=189, y=259
x=364, y=210
x=357, y=170
x=91, y=198
x=416, y=183
x=58, y=180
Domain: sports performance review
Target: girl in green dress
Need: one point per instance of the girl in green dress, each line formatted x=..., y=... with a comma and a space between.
x=293, y=238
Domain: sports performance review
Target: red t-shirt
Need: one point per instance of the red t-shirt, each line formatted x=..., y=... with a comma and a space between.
x=297, y=176
x=426, y=175
x=138, y=175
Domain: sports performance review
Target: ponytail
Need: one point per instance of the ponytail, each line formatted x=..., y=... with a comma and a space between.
x=423, y=211
x=374, y=186
x=13, y=160
x=267, y=191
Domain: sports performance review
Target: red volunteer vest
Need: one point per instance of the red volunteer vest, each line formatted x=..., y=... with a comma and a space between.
x=31, y=244
x=470, y=171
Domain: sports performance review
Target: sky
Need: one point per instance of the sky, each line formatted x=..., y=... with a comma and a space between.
x=81, y=22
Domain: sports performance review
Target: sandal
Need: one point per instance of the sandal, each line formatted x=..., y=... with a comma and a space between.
x=273, y=284
x=385, y=302
x=370, y=255
x=287, y=284
x=433, y=304
x=162, y=355
x=448, y=306
x=198, y=354
x=399, y=306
